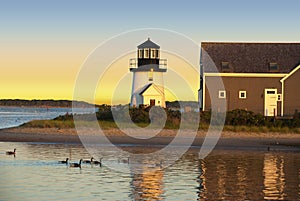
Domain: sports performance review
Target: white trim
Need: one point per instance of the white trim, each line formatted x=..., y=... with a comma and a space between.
x=282, y=98
x=246, y=74
x=291, y=73
x=203, y=94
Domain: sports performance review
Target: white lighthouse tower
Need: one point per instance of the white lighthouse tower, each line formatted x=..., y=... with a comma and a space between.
x=148, y=82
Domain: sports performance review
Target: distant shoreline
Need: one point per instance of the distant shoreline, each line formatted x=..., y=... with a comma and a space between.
x=43, y=103
x=49, y=107
x=228, y=140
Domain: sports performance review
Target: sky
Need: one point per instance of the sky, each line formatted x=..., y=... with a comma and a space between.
x=43, y=44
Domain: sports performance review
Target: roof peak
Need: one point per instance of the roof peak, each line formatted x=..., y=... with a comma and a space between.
x=148, y=44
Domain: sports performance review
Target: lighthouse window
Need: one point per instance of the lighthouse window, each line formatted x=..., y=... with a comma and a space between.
x=146, y=53
x=153, y=54
x=140, y=53
x=157, y=53
x=150, y=75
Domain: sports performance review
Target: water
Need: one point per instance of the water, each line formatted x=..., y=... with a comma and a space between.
x=15, y=116
x=34, y=174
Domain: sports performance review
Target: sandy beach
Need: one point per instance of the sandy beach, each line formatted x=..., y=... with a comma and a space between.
x=228, y=140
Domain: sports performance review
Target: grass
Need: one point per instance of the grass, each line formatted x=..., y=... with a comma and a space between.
x=110, y=124
x=261, y=129
x=49, y=124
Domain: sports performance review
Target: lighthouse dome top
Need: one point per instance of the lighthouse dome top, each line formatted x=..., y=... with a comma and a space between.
x=148, y=44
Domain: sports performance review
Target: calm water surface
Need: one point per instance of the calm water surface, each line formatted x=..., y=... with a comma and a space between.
x=34, y=174
x=15, y=116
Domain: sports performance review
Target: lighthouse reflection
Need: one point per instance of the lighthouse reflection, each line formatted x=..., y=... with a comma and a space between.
x=147, y=186
x=226, y=175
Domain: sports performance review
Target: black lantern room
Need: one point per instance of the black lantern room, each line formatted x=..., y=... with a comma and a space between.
x=148, y=58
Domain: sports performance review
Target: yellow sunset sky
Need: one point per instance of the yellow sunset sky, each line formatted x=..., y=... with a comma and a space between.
x=39, y=71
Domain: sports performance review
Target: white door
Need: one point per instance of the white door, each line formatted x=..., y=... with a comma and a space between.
x=270, y=102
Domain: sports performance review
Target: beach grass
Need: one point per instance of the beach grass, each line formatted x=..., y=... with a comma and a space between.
x=67, y=124
x=49, y=124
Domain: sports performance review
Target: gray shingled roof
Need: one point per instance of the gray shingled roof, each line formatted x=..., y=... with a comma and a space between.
x=251, y=57
x=148, y=44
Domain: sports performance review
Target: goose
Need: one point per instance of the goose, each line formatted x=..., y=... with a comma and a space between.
x=88, y=161
x=76, y=164
x=97, y=162
x=11, y=152
x=65, y=162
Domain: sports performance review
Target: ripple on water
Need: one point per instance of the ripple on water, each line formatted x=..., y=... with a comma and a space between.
x=224, y=175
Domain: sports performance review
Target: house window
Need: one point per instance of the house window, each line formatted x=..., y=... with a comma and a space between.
x=242, y=94
x=146, y=53
x=222, y=94
x=153, y=54
x=271, y=92
x=273, y=67
x=225, y=66
x=140, y=53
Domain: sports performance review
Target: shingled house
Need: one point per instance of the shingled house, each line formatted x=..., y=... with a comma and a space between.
x=259, y=77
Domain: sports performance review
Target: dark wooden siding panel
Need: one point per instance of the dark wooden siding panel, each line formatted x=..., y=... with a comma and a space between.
x=252, y=85
x=292, y=94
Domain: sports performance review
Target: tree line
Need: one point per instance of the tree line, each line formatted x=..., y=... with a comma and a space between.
x=42, y=103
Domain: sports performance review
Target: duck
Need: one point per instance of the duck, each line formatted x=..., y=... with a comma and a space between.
x=76, y=164
x=11, y=152
x=65, y=162
x=88, y=161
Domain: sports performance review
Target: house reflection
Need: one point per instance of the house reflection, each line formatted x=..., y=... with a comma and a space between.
x=226, y=178
x=268, y=176
x=226, y=175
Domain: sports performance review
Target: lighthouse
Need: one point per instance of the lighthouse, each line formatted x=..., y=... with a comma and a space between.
x=148, y=82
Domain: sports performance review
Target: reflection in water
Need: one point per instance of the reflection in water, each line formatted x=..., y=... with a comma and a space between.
x=223, y=175
x=201, y=179
x=147, y=186
x=274, y=179
x=249, y=176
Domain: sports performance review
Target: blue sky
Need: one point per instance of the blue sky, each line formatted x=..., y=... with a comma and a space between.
x=201, y=20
